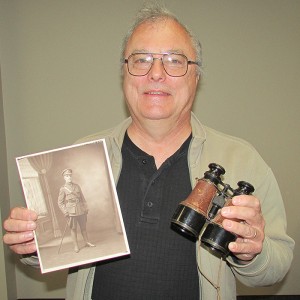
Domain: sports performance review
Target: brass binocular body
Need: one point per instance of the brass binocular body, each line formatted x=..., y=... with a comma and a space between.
x=200, y=211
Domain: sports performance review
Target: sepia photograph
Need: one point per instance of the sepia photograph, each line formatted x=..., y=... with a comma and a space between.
x=73, y=192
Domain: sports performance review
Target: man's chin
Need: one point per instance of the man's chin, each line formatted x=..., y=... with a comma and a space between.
x=156, y=116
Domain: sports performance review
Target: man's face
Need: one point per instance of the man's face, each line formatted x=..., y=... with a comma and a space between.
x=157, y=95
x=68, y=178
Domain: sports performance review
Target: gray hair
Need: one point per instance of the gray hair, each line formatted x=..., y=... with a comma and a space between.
x=153, y=12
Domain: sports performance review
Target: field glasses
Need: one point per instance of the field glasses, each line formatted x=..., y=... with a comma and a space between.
x=200, y=211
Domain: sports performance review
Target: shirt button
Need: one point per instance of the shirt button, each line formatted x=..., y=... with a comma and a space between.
x=149, y=204
x=144, y=161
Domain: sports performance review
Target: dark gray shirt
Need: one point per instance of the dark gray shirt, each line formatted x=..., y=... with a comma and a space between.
x=162, y=264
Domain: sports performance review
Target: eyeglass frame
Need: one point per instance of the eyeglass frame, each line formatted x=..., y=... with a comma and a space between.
x=189, y=62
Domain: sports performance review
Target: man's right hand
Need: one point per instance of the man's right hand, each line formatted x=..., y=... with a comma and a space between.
x=19, y=228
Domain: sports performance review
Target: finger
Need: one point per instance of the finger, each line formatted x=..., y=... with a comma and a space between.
x=247, y=248
x=27, y=248
x=20, y=219
x=250, y=215
x=12, y=238
x=21, y=213
x=13, y=225
x=240, y=247
x=246, y=201
x=244, y=250
x=241, y=229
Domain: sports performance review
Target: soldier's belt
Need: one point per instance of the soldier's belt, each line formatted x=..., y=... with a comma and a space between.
x=73, y=200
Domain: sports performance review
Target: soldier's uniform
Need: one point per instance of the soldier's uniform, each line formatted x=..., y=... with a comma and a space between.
x=73, y=205
x=71, y=200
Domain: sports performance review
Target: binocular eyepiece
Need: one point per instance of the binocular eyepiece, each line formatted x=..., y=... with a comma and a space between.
x=202, y=207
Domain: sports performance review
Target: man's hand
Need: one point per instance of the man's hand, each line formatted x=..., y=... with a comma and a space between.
x=250, y=230
x=19, y=228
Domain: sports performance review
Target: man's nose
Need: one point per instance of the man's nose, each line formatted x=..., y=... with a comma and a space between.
x=157, y=71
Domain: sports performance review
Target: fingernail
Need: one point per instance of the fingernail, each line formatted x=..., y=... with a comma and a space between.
x=28, y=235
x=232, y=246
x=225, y=210
x=235, y=200
x=31, y=225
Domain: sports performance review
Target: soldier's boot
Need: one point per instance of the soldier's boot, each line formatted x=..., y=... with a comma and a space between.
x=87, y=242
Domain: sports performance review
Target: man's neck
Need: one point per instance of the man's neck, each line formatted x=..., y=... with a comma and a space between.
x=159, y=141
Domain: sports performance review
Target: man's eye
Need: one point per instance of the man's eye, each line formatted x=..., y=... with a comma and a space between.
x=142, y=60
x=175, y=61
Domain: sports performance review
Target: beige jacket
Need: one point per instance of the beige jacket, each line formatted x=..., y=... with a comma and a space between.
x=241, y=161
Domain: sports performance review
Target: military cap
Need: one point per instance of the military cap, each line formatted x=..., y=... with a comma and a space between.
x=66, y=172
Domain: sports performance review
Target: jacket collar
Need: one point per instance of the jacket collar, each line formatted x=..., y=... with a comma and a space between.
x=195, y=150
x=198, y=130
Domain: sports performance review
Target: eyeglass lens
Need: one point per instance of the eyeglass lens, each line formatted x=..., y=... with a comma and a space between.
x=139, y=64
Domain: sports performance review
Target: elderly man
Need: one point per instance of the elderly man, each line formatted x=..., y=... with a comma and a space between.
x=156, y=155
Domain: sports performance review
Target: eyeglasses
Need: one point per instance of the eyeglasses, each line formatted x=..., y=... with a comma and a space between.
x=175, y=65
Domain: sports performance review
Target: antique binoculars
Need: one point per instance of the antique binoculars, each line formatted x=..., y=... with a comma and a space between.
x=200, y=210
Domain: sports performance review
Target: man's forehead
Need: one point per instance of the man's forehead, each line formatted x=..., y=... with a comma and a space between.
x=160, y=36
x=160, y=51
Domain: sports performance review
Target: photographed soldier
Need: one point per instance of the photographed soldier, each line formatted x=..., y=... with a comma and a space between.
x=74, y=207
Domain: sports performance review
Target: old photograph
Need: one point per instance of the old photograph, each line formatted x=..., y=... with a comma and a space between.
x=73, y=192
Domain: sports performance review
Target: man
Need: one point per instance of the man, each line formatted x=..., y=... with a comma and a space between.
x=156, y=155
x=74, y=207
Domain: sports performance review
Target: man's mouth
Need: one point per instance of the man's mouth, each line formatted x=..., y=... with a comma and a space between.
x=156, y=93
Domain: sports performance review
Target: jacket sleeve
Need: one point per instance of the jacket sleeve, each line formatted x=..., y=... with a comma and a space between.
x=30, y=260
x=242, y=162
x=61, y=201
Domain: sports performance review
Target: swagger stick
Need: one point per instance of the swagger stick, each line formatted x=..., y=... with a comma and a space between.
x=62, y=238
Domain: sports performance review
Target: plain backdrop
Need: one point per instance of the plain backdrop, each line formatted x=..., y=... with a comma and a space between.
x=60, y=78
